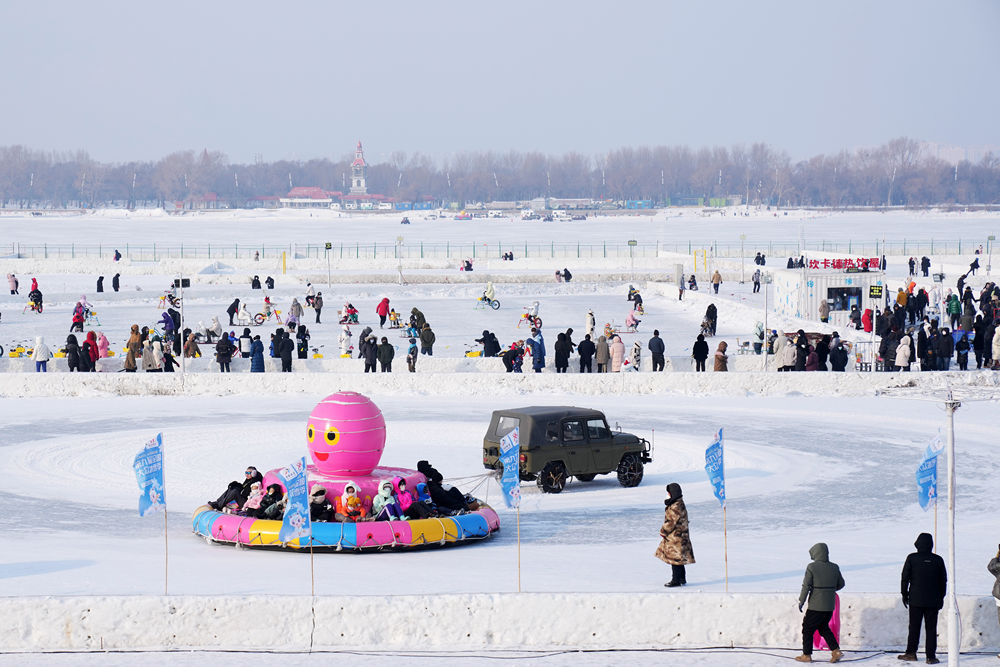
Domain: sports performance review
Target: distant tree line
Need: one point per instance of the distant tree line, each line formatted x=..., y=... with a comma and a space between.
x=895, y=174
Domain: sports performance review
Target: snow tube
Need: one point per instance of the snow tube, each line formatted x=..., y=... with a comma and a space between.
x=362, y=536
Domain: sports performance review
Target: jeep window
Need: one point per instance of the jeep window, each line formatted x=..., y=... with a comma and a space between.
x=505, y=425
x=573, y=431
x=598, y=430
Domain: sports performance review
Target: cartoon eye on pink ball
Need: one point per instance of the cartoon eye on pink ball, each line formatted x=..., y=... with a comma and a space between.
x=346, y=434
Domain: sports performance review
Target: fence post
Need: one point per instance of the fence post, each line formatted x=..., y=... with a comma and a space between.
x=578, y=250
x=960, y=246
x=553, y=250
x=932, y=246
x=605, y=250
x=72, y=250
x=421, y=250
x=182, y=251
x=100, y=253
x=210, y=251
x=236, y=249
x=473, y=250
x=127, y=256
x=154, y=252
x=447, y=252
x=526, y=249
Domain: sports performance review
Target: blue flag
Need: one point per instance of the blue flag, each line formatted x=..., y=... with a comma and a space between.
x=927, y=477
x=296, y=523
x=716, y=469
x=148, y=465
x=510, y=482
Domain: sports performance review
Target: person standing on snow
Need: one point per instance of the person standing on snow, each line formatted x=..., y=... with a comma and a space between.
x=923, y=585
x=586, y=350
x=699, y=352
x=656, y=349
x=716, y=281
x=234, y=308
x=994, y=568
x=602, y=354
x=318, y=305
x=382, y=310
x=591, y=323
x=12, y=283
x=115, y=281
x=427, y=339
x=617, y=351
x=756, y=281
x=820, y=585
x=675, y=541
x=256, y=355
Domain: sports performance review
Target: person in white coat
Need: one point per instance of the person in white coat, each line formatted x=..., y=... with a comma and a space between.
x=243, y=317
x=345, y=341
x=41, y=355
x=903, y=354
x=778, y=349
x=590, y=324
x=996, y=350
x=788, y=353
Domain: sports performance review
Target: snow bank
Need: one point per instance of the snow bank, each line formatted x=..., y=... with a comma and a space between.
x=459, y=622
x=485, y=377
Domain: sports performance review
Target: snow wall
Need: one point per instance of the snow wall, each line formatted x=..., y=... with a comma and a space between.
x=459, y=622
x=464, y=377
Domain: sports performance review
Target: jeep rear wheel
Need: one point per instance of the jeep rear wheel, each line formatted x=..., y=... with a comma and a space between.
x=588, y=477
x=630, y=470
x=528, y=477
x=552, y=478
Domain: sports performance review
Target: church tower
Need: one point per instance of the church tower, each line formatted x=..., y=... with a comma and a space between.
x=359, y=173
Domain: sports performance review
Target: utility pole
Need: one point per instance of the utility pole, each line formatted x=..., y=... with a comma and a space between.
x=954, y=639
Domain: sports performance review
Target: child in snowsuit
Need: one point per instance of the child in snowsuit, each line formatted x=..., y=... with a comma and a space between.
x=411, y=356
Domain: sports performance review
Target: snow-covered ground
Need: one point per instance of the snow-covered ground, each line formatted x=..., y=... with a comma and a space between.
x=810, y=457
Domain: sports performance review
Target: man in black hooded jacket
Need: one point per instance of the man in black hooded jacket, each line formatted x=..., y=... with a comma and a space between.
x=923, y=586
x=491, y=346
x=237, y=492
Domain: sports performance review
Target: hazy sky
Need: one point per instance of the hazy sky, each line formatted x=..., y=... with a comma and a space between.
x=138, y=80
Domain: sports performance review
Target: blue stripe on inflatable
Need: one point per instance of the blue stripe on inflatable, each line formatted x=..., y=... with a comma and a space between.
x=471, y=525
x=330, y=534
x=203, y=522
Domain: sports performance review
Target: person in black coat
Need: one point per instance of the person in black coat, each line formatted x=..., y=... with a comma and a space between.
x=838, y=356
x=945, y=349
x=302, y=341
x=114, y=282
x=925, y=265
x=72, y=351
x=100, y=283
x=255, y=283
x=562, y=353
x=567, y=276
x=712, y=315
x=369, y=350
x=656, y=349
x=700, y=353
x=237, y=492
x=269, y=281
x=224, y=353
x=286, y=349
x=973, y=266
x=823, y=351
x=923, y=585
x=443, y=495
x=234, y=308
x=586, y=349
x=491, y=346
x=801, y=350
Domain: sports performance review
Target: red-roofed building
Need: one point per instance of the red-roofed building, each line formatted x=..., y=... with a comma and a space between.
x=310, y=197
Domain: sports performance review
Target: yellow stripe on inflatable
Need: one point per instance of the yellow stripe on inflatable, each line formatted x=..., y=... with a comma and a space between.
x=431, y=531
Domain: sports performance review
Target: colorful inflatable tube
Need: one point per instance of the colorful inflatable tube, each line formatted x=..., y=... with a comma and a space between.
x=362, y=536
x=345, y=437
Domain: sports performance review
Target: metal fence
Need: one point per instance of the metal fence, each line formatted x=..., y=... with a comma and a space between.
x=612, y=249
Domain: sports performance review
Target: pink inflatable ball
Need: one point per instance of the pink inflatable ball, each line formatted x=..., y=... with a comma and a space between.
x=346, y=434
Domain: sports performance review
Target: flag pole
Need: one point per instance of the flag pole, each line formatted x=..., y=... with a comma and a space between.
x=935, y=521
x=312, y=569
x=166, y=553
x=519, y=547
x=725, y=546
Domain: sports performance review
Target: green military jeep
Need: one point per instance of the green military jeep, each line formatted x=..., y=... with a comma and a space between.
x=561, y=442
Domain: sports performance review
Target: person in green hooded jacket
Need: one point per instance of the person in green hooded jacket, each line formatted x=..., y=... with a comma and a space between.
x=819, y=587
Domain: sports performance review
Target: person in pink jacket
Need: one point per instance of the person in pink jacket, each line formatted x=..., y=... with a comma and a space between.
x=103, y=344
x=617, y=350
x=405, y=501
x=382, y=309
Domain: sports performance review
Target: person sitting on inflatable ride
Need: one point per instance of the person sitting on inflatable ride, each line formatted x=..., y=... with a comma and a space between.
x=445, y=496
x=320, y=508
x=270, y=506
x=384, y=507
x=410, y=509
x=350, y=507
x=253, y=501
x=236, y=494
x=424, y=497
